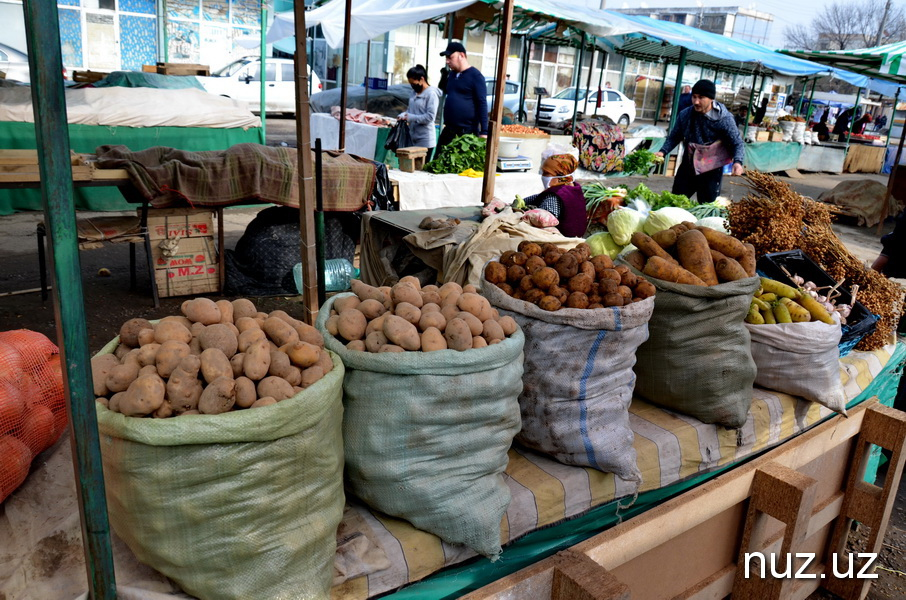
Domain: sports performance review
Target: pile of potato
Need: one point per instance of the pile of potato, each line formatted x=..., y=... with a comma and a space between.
x=219, y=356
x=553, y=278
x=692, y=254
x=408, y=317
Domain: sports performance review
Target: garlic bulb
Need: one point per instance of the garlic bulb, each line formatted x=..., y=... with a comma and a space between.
x=844, y=310
x=810, y=286
x=798, y=280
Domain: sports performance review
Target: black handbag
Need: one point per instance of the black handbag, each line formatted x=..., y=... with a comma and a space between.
x=399, y=137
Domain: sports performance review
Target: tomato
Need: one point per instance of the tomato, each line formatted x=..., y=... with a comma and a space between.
x=38, y=429
x=15, y=461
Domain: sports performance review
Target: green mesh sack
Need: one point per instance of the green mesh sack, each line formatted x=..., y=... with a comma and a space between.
x=426, y=434
x=239, y=505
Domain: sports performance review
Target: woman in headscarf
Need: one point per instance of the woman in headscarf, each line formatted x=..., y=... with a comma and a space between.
x=422, y=111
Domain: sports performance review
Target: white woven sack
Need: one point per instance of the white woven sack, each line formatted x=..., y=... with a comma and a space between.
x=578, y=381
x=787, y=128
x=802, y=359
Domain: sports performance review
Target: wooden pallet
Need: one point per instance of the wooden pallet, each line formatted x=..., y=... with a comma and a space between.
x=800, y=497
x=21, y=166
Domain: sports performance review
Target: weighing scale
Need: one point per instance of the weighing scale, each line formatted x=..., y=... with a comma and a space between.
x=516, y=163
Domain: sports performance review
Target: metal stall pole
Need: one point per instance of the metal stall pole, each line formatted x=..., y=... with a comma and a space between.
x=579, y=58
x=852, y=121
x=660, y=98
x=801, y=96
x=307, y=234
x=490, y=161
x=368, y=70
x=591, y=65
x=896, y=98
x=45, y=61
x=262, y=74
x=522, y=115
x=811, y=96
x=678, y=88
x=622, y=75
x=343, y=84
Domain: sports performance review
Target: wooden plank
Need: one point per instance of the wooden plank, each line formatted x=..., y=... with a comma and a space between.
x=496, y=117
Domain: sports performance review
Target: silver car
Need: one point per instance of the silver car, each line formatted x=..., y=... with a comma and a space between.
x=14, y=64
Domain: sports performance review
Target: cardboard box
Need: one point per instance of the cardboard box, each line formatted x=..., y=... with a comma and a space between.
x=180, y=222
x=775, y=136
x=189, y=267
x=763, y=136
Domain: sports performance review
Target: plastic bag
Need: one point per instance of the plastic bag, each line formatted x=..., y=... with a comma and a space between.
x=399, y=137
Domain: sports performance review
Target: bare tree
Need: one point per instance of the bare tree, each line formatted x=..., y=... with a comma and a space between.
x=894, y=27
x=799, y=37
x=841, y=25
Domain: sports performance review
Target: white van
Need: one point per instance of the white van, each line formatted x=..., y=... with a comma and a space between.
x=239, y=80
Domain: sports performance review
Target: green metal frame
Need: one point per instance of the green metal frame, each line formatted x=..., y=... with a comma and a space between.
x=578, y=74
x=262, y=75
x=42, y=28
x=852, y=119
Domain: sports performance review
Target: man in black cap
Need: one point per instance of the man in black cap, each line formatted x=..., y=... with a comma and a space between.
x=710, y=140
x=466, y=106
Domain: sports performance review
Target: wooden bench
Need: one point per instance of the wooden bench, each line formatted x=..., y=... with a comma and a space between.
x=412, y=158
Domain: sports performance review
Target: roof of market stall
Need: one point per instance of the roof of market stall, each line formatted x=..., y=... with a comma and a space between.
x=882, y=62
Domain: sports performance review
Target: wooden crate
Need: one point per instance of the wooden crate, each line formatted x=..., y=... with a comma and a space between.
x=191, y=268
x=165, y=68
x=180, y=222
x=811, y=488
x=763, y=136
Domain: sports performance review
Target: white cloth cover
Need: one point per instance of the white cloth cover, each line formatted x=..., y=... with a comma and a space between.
x=801, y=359
x=421, y=189
x=135, y=107
x=361, y=139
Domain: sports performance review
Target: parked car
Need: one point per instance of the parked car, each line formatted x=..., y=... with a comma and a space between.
x=511, y=107
x=239, y=80
x=615, y=105
x=14, y=64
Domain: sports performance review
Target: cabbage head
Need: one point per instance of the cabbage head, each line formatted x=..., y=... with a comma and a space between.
x=718, y=223
x=603, y=243
x=623, y=222
x=665, y=218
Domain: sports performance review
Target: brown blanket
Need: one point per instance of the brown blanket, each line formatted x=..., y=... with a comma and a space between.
x=240, y=174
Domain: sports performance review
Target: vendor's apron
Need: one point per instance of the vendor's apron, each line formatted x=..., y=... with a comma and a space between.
x=707, y=157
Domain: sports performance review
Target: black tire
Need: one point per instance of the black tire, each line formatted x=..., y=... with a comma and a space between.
x=623, y=121
x=521, y=117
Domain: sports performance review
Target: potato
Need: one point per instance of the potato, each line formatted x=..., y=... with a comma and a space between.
x=558, y=292
x=479, y=342
x=249, y=337
x=600, y=263
x=613, y=299
x=326, y=362
x=577, y=300
x=458, y=335
x=491, y=330
x=356, y=346
x=581, y=283
x=144, y=395
x=147, y=370
x=246, y=394
x=260, y=318
x=280, y=364
x=202, y=310
x=587, y=268
x=506, y=259
x=515, y=273
x=534, y=296
x=433, y=339
x=196, y=329
x=495, y=272
x=218, y=397
x=215, y=364
x=474, y=323
x=244, y=324
x=449, y=311
x=432, y=319
x=376, y=324
x=528, y=282
x=101, y=366
x=169, y=356
x=243, y=307
x=195, y=346
x=431, y=307
x=114, y=403
x=351, y=325
x=469, y=289
x=509, y=325
x=401, y=332
x=549, y=303
x=308, y=333
x=331, y=325
x=372, y=309
x=645, y=289
x=628, y=279
x=311, y=375
x=408, y=312
x=472, y=303
x=582, y=250
x=275, y=387
x=449, y=288
x=391, y=348
x=263, y=402
x=257, y=360
x=567, y=266
x=365, y=291
x=130, y=330
x=505, y=288
x=413, y=281
x=374, y=341
x=302, y=354
x=695, y=256
x=528, y=248
x=171, y=330
x=279, y=331
x=551, y=256
x=122, y=350
x=219, y=336
x=430, y=297
x=176, y=319
x=237, y=362
x=341, y=304
x=546, y=277
x=404, y=292
x=120, y=377
x=226, y=311
x=450, y=299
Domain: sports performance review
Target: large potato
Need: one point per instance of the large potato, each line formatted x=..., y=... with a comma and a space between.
x=219, y=336
x=352, y=324
x=130, y=329
x=401, y=332
x=214, y=365
x=202, y=310
x=458, y=335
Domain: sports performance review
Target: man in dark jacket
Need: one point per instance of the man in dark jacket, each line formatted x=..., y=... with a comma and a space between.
x=466, y=106
x=700, y=128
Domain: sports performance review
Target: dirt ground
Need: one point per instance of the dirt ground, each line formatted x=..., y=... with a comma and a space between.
x=108, y=302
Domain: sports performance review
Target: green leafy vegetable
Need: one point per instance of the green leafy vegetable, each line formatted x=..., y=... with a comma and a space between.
x=640, y=162
x=464, y=152
x=596, y=192
x=657, y=201
x=712, y=209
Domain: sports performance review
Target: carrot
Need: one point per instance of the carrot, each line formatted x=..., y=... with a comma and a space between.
x=635, y=259
x=723, y=243
x=729, y=269
x=747, y=260
x=695, y=256
x=659, y=268
x=649, y=247
x=666, y=239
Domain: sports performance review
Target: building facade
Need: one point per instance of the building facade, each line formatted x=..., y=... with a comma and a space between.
x=732, y=21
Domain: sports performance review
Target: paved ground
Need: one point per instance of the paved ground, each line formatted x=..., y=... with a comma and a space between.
x=109, y=302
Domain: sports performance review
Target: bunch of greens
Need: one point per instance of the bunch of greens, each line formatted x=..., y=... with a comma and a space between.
x=640, y=162
x=656, y=201
x=464, y=152
x=595, y=193
x=718, y=208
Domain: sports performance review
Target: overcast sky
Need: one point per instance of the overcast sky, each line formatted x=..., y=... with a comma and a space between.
x=785, y=12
